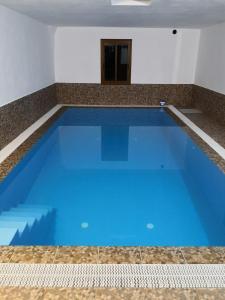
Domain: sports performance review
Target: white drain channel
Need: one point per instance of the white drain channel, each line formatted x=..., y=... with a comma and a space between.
x=114, y=276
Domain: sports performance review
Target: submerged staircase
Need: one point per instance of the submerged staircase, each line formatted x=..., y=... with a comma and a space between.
x=26, y=224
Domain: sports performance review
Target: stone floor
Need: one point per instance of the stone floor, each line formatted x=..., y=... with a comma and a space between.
x=111, y=294
x=119, y=255
x=210, y=126
x=113, y=255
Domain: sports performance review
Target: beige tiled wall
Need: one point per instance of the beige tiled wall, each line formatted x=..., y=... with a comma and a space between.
x=210, y=102
x=16, y=116
x=134, y=94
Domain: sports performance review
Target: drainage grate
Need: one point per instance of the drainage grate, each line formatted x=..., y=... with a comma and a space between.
x=114, y=276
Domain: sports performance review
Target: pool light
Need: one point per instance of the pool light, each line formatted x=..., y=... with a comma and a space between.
x=131, y=2
x=150, y=226
x=84, y=225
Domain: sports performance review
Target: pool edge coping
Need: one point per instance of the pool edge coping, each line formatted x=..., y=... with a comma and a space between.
x=23, y=136
x=220, y=150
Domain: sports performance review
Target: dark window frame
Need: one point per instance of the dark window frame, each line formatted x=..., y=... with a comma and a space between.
x=116, y=42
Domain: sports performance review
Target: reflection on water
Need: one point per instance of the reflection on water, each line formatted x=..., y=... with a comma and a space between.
x=114, y=143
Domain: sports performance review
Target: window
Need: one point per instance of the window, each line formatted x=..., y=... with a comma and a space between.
x=116, y=61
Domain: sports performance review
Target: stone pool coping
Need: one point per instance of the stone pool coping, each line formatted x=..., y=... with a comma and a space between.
x=116, y=255
x=111, y=255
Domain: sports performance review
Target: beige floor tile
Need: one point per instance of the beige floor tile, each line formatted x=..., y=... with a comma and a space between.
x=120, y=294
x=6, y=254
x=21, y=293
x=33, y=255
x=210, y=294
x=204, y=255
x=77, y=255
x=119, y=255
x=161, y=255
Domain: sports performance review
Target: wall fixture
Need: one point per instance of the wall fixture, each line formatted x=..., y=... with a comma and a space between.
x=131, y=2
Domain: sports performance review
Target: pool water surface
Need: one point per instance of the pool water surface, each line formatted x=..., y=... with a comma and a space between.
x=115, y=177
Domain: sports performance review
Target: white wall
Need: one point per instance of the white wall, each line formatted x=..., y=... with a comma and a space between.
x=26, y=55
x=210, y=71
x=157, y=55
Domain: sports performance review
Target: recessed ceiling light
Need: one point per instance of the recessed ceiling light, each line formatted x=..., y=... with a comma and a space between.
x=131, y=2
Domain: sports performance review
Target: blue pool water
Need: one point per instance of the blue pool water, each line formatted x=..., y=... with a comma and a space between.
x=114, y=177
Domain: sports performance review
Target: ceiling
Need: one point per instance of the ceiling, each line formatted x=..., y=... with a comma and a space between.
x=161, y=13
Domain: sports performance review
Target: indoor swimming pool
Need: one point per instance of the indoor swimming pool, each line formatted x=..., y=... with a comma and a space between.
x=114, y=177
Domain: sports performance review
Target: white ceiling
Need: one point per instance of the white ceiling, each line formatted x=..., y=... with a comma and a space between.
x=161, y=13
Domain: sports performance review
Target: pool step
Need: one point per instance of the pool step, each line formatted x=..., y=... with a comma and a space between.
x=7, y=235
x=25, y=224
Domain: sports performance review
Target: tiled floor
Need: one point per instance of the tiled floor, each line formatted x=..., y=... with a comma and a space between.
x=110, y=294
x=113, y=255
x=210, y=126
x=214, y=129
